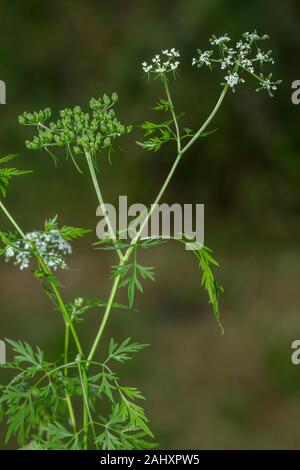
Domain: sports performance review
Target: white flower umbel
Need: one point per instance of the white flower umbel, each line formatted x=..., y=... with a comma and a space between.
x=51, y=246
x=264, y=57
x=233, y=80
x=217, y=41
x=250, y=37
x=165, y=62
x=245, y=57
x=229, y=59
x=204, y=59
x=267, y=84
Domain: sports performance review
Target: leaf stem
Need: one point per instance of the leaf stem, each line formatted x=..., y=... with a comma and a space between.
x=100, y=199
x=178, y=139
x=84, y=387
x=68, y=398
x=12, y=220
x=208, y=120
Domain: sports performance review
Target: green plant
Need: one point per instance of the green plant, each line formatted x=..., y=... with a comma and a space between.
x=39, y=404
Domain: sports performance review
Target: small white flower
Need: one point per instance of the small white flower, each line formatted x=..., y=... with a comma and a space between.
x=247, y=64
x=244, y=48
x=268, y=85
x=263, y=57
x=251, y=36
x=204, y=59
x=227, y=62
x=244, y=57
x=217, y=41
x=78, y=302
x=166, y=61
x=175, y=52
x=9, y=252
x=233, y=79
x=51, y=246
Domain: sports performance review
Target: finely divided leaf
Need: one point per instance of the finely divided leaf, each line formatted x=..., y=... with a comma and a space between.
x=121, y=352
x=210, y=284
x=25, y=353
x=131, y=274
x=7, y=173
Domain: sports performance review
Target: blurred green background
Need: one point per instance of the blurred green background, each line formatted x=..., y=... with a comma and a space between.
x=204, y=390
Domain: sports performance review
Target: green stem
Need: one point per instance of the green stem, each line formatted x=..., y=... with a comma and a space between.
x=67, y=337
x=70, y=364
x=106, y=313
x=101, y=201
x=153, y=206
x=71, y=412
x=173, y=114
x=85, y=393
x=88, y=415
x=208, y=120
x=68, y=398
x=12, y=220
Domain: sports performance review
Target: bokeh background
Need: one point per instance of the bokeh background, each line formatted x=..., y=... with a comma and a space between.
x=204, y=390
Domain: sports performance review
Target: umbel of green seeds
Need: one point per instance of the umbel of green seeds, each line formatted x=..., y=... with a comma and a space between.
x=78, y=131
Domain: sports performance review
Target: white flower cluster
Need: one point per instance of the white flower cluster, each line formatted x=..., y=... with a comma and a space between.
x=233, y=79
x=78, y=302
x=217, y=41
x=263, y=57
x=267, y=84
x=50, y=245
x=166, y=61
x=228, y=60
x=204, y=58
x=250, y=37
x=243, y=57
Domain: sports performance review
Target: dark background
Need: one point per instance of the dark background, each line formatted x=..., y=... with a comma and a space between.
x=204, y=390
